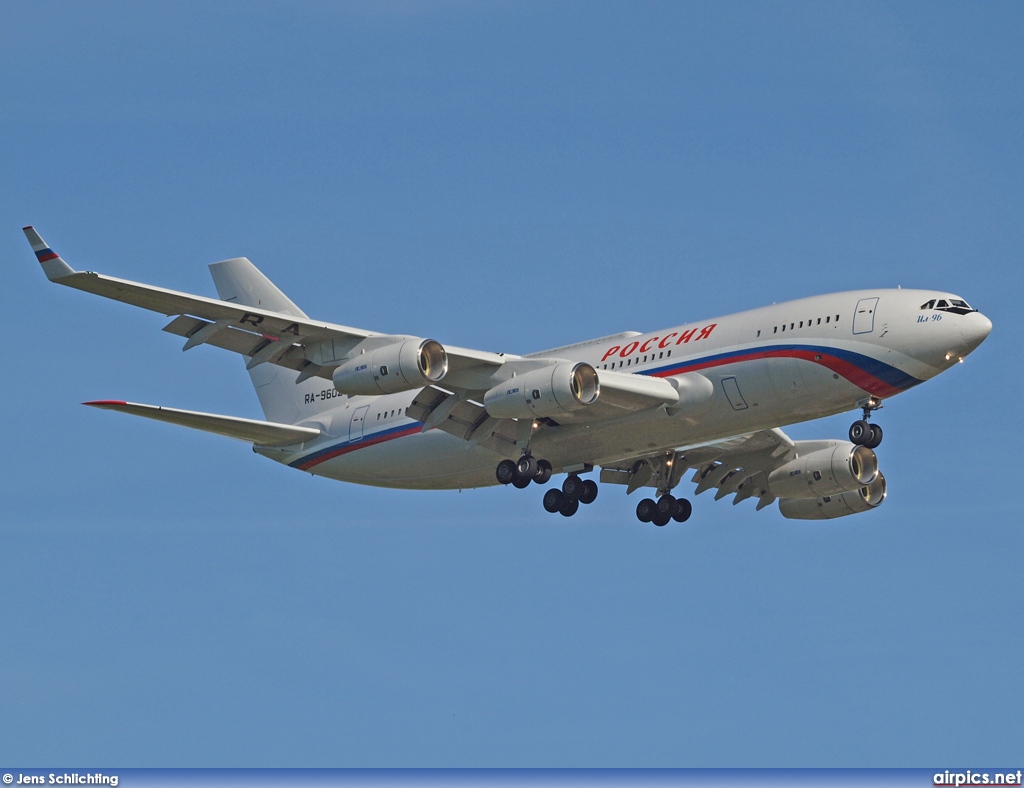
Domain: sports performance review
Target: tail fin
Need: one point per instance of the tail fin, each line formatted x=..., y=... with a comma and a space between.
x=240, y=282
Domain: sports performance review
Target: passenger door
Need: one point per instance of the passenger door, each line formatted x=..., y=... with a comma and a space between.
x=864, y=316
x=355, y=427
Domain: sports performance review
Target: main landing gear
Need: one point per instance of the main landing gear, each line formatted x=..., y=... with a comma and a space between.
x=574, y=492
x=666, y=508
x=528, y=469
x=864, y=434
x=520, y=474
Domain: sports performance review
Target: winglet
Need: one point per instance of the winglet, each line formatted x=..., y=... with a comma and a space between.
x=53, y=265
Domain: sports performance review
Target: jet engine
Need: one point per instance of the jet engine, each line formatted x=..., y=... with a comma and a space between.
x=831, y=506
x=402, y=366
x=550, y=391
x=831, y=471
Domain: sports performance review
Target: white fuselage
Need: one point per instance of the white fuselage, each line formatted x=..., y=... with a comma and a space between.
x=772, y=366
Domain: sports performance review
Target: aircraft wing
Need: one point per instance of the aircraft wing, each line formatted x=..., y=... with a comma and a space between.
x=292, y=340
x=265, y=433
x=737, y=466
x=264, y=336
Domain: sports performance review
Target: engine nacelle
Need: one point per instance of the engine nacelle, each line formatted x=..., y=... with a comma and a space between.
x=401, y=366
x=840, y=469
x=551, y=391
x=831, y=506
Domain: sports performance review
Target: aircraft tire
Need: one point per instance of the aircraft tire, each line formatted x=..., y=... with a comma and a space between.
x=645, y=510
x=521, y=482
x=667, y=505
x=544, y=471
x=860, y=432
x=683, y=510
x=572, y=487
x=505, y=472
x=661, y=519
x=589, y=492
x=553, y=500
x=527, y=466
x=570, y=507
x=876, y=437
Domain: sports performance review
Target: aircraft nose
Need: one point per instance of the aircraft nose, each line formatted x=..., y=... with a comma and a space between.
x=974, y=328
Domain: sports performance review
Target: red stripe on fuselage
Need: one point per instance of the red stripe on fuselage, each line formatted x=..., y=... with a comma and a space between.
x=351, y=447
x=851, y=372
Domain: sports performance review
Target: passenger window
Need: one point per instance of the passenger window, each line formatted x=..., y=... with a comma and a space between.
x=826, y=318
x=775, y=330
x=790, y=326
x=837, y=318
x=670, y=352
x=801, y=324
x=661, y=354
x=819, y=321
x=759, y=332
x=783, y=327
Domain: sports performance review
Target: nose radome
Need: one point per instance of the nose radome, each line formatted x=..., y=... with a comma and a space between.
x=974, y=327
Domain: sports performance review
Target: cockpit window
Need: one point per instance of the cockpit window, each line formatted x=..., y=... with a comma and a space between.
x=955, y=305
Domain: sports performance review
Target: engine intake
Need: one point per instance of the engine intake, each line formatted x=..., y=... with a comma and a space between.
x=832, y=506
x=551, y=391
x=402, y=366
x=840, y=469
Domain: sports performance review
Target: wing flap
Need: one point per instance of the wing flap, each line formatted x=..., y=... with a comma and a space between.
x=266, y=433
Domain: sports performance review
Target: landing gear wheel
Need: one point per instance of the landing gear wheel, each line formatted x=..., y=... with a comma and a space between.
x=645, y=510
x=521, y=482
x=660, y=519
x=569, y=507
x=589, y=493
x=860, y=432
x=572, y=487
x=527, y=466
x=553, y=500
x=543, y=474
x=876, y=437
x=505, y=472
x=683, y=510
x=667, y=505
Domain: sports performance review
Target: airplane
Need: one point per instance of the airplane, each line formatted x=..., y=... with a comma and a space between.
x=404, y=411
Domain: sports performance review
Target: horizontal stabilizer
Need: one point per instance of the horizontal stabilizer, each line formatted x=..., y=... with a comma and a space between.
x=265, y=433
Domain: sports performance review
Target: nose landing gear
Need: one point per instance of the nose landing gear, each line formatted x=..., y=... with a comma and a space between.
x=864, y=434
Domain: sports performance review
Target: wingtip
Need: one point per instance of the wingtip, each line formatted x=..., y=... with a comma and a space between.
x=105, y=403
x=53, y=264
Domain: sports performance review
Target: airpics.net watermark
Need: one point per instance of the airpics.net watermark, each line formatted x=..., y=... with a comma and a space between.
x=97, y=778
x=976, y=778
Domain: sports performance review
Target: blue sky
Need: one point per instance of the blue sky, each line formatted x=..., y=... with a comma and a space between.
x=507, y=176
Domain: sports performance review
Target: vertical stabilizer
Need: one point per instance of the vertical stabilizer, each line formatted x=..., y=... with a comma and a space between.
x=240, y=282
